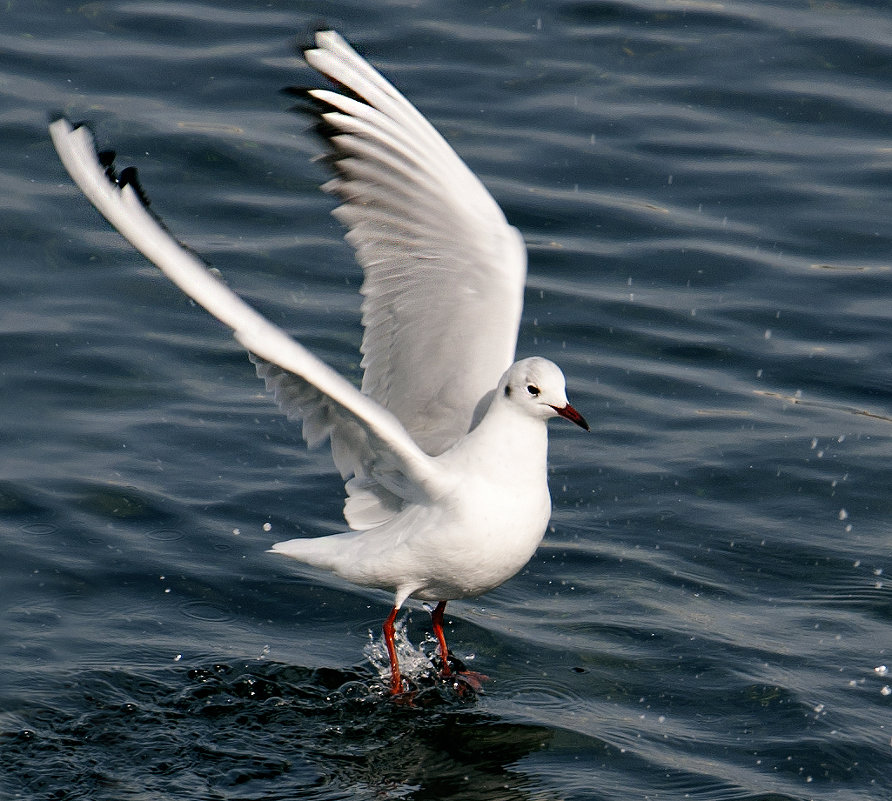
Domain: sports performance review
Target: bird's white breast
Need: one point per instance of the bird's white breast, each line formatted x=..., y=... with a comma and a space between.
x=497, y=512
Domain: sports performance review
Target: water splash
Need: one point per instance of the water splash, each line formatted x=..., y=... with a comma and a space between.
x=415, y=662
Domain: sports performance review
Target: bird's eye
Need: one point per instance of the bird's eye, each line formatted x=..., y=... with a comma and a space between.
x=533, y=390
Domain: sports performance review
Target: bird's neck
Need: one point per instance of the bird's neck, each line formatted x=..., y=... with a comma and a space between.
x=507, y=440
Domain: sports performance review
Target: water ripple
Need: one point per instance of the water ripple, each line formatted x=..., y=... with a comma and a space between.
x=704, y=189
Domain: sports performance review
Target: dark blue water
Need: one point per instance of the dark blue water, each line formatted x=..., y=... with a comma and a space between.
x=706, y=193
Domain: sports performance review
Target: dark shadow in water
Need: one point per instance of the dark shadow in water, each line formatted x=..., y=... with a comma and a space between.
x=259, y=730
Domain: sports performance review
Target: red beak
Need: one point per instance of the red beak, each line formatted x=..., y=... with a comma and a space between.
x=572, y=415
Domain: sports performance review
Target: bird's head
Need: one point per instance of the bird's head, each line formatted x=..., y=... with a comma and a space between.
x=537, y=386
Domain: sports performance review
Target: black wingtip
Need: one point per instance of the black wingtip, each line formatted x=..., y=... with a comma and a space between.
x=306, y=101
x=54, y=116
x=126, y=177
x=310, y=106
x=324, y=129
x=130, y=177
x=306, y=39
x=295, y=91
x=319, y=25
x=307, y=105
x=107, y=161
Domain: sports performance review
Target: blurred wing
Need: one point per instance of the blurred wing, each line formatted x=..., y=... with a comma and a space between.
x=444, y=272
x=373, y=444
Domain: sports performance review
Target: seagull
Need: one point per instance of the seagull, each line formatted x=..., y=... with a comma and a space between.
x=444, y=446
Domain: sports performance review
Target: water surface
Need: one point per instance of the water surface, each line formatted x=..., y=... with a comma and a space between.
x=704, y=189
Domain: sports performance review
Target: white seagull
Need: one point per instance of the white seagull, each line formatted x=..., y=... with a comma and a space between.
x=444, y=448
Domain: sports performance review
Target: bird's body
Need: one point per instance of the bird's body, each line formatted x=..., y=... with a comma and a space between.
x=444, y=448
x=479, y=532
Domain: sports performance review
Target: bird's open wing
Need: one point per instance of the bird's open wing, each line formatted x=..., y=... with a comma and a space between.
x=444, y=272
x=377, y=447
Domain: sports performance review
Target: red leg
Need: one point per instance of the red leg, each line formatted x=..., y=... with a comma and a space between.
x=437, y=622
x=463, y=678
x=396, y=681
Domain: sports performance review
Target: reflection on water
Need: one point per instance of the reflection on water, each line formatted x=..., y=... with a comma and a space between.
x=264, y=727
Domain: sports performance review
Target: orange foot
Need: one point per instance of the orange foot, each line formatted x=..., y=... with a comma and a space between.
x=463, y=680
x=468, y=681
